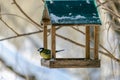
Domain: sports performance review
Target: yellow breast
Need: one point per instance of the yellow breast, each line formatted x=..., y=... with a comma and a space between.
x=45, y=56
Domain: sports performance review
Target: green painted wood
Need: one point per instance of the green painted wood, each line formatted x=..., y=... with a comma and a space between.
x=73, y=12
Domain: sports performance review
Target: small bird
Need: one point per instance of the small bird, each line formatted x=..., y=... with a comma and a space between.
x=46, y=53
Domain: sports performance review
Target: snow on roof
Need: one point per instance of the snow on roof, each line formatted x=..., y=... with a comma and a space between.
x=73, y=12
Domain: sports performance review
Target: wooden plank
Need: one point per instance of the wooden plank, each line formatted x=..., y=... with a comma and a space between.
x=53, y=43
x=87, y=48
x=71, y=63
x=45, y=36
x=96, y=41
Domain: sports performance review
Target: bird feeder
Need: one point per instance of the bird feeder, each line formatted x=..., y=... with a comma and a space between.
x=71, y=13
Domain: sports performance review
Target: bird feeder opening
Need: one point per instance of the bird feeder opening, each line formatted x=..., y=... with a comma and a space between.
x=71, y=13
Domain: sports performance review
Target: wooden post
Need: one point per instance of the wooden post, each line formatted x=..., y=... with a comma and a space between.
x=53, y=39
x=87, y=42
x=45, y=36
x=96, y=41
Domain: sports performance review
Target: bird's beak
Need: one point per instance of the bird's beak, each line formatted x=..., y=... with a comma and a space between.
x=38, y=49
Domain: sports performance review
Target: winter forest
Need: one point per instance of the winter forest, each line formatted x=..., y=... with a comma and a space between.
x=21, y=35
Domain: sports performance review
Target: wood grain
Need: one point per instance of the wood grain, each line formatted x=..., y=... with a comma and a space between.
x=45, y=36
x=71, y=63
x=87, y=48
x=53, y=43
x=96, y=41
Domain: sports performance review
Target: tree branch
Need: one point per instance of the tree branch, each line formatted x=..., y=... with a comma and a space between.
x=111, y=12
x=20, y=35
x=101, y=4
x=11, y=69
x=70, y=40
x=9, y=27
x=14, y=1
x=108, y=54
x=78, y=30
x=2, y=14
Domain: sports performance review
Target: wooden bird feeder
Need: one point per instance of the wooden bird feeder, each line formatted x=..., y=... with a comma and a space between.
x=71, y=13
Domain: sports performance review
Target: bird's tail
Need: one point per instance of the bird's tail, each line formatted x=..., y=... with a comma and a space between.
x=59, y=50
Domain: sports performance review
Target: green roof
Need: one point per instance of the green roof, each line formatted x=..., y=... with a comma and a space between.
x=73, y=12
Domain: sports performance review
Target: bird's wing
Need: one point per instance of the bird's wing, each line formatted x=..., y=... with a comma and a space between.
x=47, y=51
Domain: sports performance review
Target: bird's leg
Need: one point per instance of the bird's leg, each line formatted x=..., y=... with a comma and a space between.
x=52, y=59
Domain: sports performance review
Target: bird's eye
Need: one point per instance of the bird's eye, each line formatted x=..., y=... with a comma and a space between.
x=40, y=49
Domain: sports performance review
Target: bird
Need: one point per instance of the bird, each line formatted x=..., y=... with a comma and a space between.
x=46, y=53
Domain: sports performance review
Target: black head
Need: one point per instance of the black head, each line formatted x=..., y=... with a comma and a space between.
x=40, y=49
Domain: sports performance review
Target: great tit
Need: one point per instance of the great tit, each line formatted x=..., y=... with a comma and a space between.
x=46, y=53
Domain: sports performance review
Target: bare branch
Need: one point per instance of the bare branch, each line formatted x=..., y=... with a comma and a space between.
x=20, y=35
x=111, y=12
x=70, y=40
x=26, y=34
x=9, y=27
x=14, y=1
x=109, y=54
x=101, y=4
x=78, y=30
x=6, y=23
x=2, y=14
x=11, y=69
x=26, y=77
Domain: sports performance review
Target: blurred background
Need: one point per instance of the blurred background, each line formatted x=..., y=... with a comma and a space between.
x=20, y=60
